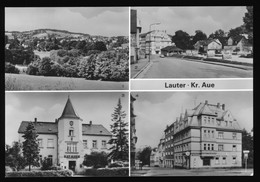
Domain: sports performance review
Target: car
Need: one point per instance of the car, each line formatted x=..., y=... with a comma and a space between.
x=161, y=56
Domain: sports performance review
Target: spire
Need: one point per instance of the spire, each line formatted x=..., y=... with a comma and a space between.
x=68, y=111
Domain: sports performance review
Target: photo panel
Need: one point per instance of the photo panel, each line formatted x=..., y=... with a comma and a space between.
x=191, y=133
x=66, y=48
x=67, y=134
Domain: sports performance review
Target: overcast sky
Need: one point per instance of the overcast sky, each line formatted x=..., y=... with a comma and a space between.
x=190, y=19
x=155, y=110
x=47, y=106
x=106, y=21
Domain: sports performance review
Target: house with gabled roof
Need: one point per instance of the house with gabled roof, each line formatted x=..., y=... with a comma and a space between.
x=207, y=136
x=66, y=141
x=240, y=44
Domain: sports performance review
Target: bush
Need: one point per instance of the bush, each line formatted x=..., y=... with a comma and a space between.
x=118, y=171
x=8, y=169
x=116, y=164
x=95, y=159
x=49, y=173
x=46, y=164
x=32, y=69
x=10, y=68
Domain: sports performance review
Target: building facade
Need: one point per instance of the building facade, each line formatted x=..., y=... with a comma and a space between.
x=66, y=141
x=155, y=40
x=135, y=32
x=133, y=136
x=204, y=137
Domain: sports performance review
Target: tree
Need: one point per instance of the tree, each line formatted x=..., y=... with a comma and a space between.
x=30, y=146
x=182, y=40
x=45, y=67
x=95, y=159
x=248, y=21
x=13, y=157
x=119, y=140
x=248, y=144
x=99, y=45
x=235, y=33
x=220, y=35
x=46, y=164
x=144, y=155
x=199, y=35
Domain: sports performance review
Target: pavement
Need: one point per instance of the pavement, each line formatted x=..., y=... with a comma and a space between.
x=172, y=67
x=157, y=171
x=138, y=68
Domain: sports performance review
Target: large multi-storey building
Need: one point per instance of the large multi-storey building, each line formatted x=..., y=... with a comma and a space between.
x=66, y=141
x=155, y=40
x=206, y=136
x=133, y=136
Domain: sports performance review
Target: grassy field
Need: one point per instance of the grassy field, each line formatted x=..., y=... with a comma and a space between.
x=29, y=82
x=42, y=54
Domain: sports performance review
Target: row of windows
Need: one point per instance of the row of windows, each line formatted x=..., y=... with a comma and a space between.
x=95, y=144
x=221, y=135
x=208, y=146
x=50, y=143
x=209, y=134
x=49, y=158
x=72, y=147
x=224, y=161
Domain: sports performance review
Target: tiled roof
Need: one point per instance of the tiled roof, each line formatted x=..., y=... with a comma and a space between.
x=69, y=111
x=94, y=129
x=41, y=127
x=52, y=128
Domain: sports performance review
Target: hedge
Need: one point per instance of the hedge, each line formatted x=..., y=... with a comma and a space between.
x=117, y=171
x=49, y=173
x=227, y=61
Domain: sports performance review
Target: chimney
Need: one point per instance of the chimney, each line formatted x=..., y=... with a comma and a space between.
x=90, y=122
x=223, y=107
x=35, y=120
x=218, y=105
x=206, y=101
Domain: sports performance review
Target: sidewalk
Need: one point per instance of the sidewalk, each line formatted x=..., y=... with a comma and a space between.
x=138, y=67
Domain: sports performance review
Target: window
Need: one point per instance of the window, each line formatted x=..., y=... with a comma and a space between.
x=212, y=146
x=71, y=147
x=209, y=133
x=71, y=132
x=94, y=144
x=40, y=142
x=230, y=123
x=212, y=133
x=205, y=133
x=85, y=144
x=216, y=160
x=224, y=161
x=234, y=148
x=205, y=146
x=208, y=146
x=220, y=135
x=104, y=144
x=234, y=135
x=220, y=147
x=50, y=143
x=234, y=160
x=49, y=159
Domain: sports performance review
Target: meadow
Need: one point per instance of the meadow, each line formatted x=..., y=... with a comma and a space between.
x=30, y=82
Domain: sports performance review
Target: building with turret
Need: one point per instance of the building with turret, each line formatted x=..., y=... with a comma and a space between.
x=66, y=141
x=204, y=137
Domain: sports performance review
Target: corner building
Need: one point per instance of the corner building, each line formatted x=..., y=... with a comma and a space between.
x=204, y=137
x=66, y=141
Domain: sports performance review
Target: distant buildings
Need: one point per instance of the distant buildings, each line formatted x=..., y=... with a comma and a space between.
x=210, y=46
x=204, y=137
x=155, y=40
x=241, y=45
x=135, y=31
x=133, y=137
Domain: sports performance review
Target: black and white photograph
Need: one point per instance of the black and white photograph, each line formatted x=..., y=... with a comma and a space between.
x=60, y=134
x=66, y=48
x=192, y=133
x=191, y=42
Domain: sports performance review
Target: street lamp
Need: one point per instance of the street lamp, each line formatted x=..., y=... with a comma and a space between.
x=150, y=37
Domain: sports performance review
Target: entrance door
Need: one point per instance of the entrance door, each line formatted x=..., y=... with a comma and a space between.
x=72, y=165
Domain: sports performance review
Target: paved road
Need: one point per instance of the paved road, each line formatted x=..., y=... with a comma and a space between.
x=157, y=171
x=170, y=67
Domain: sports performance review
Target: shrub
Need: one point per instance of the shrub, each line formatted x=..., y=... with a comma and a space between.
x=46, y=164
x=49, y=173
x=32, y=69
x=8, y=169
x=96, y=159
x=118, y=171
x=10, y=68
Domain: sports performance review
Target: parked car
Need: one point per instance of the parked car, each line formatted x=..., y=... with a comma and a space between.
x=161, y=56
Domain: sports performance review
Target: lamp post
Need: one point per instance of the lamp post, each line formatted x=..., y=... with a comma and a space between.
x=150, y=37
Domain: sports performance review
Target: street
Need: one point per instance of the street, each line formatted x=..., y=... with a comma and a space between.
x=171, y=67
x=158, y=171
